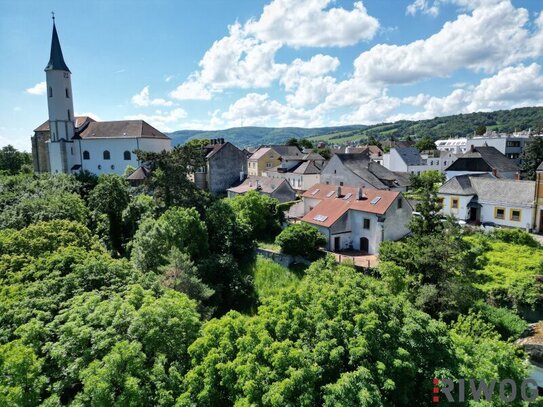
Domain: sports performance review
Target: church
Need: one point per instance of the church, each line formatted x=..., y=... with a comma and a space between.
x=68, y=144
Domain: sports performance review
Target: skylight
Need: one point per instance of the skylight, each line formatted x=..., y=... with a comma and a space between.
x=315, y=191
x=320, y=218
x=329, y=194
x=346, y=197
x=375, y=200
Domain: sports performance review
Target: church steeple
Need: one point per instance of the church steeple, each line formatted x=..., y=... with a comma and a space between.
x=56, y=60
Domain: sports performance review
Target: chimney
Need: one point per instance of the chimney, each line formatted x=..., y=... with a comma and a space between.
x=359, y=193
x=495, y=172
x=338, y=192
x=472, y=148
x=222, y=140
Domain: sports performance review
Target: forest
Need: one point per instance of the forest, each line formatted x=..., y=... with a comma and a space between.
x=152, y=295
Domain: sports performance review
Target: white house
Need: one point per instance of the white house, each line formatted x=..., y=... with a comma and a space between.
x=484, y=198
x=359, y=170
x=65, y=144
x=409, y=160
x=301, y=172
x=356, y=218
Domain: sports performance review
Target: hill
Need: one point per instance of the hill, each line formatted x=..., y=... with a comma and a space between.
x=459, y=125
x=255, y=136
x=440, y=127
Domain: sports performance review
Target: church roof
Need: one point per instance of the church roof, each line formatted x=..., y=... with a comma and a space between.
x=121, y=129
x=56, y=60
x=79, y=121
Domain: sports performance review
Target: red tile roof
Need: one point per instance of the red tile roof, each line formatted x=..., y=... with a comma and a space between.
x=331, y=208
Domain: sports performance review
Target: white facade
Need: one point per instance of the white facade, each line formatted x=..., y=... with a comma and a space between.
x=429, y=161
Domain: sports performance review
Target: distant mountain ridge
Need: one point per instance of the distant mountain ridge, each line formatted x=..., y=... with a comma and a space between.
x=458, y=125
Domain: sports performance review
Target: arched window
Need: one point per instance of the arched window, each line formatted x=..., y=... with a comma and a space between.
x=69, y=114
x=107, y=156
x=127, y=155
x=86, y=155
x=50, y=92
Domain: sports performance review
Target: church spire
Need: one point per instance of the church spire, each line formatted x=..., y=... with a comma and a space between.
x=56, y=60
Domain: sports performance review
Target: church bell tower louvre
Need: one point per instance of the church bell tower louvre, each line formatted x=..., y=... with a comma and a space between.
x=63, y=156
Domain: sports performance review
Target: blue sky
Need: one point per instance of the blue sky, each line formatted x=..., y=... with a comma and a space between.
x=217, y=64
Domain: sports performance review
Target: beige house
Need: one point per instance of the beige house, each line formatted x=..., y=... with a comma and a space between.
x=266, y=158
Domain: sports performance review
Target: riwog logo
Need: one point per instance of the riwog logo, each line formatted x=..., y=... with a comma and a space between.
x=481, y=390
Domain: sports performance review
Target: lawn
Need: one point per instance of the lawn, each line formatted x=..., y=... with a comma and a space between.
x=271, y=277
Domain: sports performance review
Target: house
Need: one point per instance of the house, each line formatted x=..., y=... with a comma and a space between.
x=268, y=157
x=225, y=165
x=356, y=218
x=483, y=160
x=410, y=160
x=279, y=189
x=360, y=170
x=375, y=153
x=301, y=172
x=483, y=198
x=69, y=144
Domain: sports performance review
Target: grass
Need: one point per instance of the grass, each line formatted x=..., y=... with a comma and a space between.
x=271, y=277
x=269, y=245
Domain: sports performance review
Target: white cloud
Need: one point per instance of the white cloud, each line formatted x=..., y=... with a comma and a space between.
x=192, y=89
x=142, y=99
x=424, y=6
x=372, y=112
x=37, y=89
x=162, y=120
x=312, y=23
x=488, y=39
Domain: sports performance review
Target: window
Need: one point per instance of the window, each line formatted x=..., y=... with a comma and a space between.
x=127, y=156
x=400, y=203
x=50, y=92
x=69, y=114
x=341, y=183
x=99, y=167
x=112, y=167
x=107, y=156
x=514, y=215
x=67, y=93
x=515, y=143
x=268, y=165
x=86, y=155
x=366, y=223
x=440, y=202
x=454, y=203
x=499, y=213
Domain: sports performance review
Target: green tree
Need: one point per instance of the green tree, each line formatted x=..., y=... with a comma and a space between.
x=110, y=198
x=170, y=180
x=181, y=274
x=21, y=379
x=428, y=180
x=532, y=157
x=480, y=130
x=425, y=143
x=177, y=227
x=11, y=160
x=301, y=239
x=258, y=212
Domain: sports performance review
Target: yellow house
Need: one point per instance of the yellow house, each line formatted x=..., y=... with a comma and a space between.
x=264, y=159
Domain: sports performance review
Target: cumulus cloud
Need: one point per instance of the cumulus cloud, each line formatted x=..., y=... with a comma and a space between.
x=424, y=6
x=142, y=99
x=488, y=39
x=162, y=120
x=432, y=7
x=193, y=89
x=37, y=89
x=312, y=23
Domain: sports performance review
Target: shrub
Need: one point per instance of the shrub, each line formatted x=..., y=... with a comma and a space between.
x=301, y=239
x=506, y=322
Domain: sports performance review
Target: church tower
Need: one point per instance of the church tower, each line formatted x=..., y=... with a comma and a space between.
x=61, y=109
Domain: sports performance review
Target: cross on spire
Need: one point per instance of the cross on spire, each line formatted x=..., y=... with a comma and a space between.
x=53, y=16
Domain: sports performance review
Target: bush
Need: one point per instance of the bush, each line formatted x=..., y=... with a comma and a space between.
x=516, y=236
x=506, y=322
x=301, y=239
